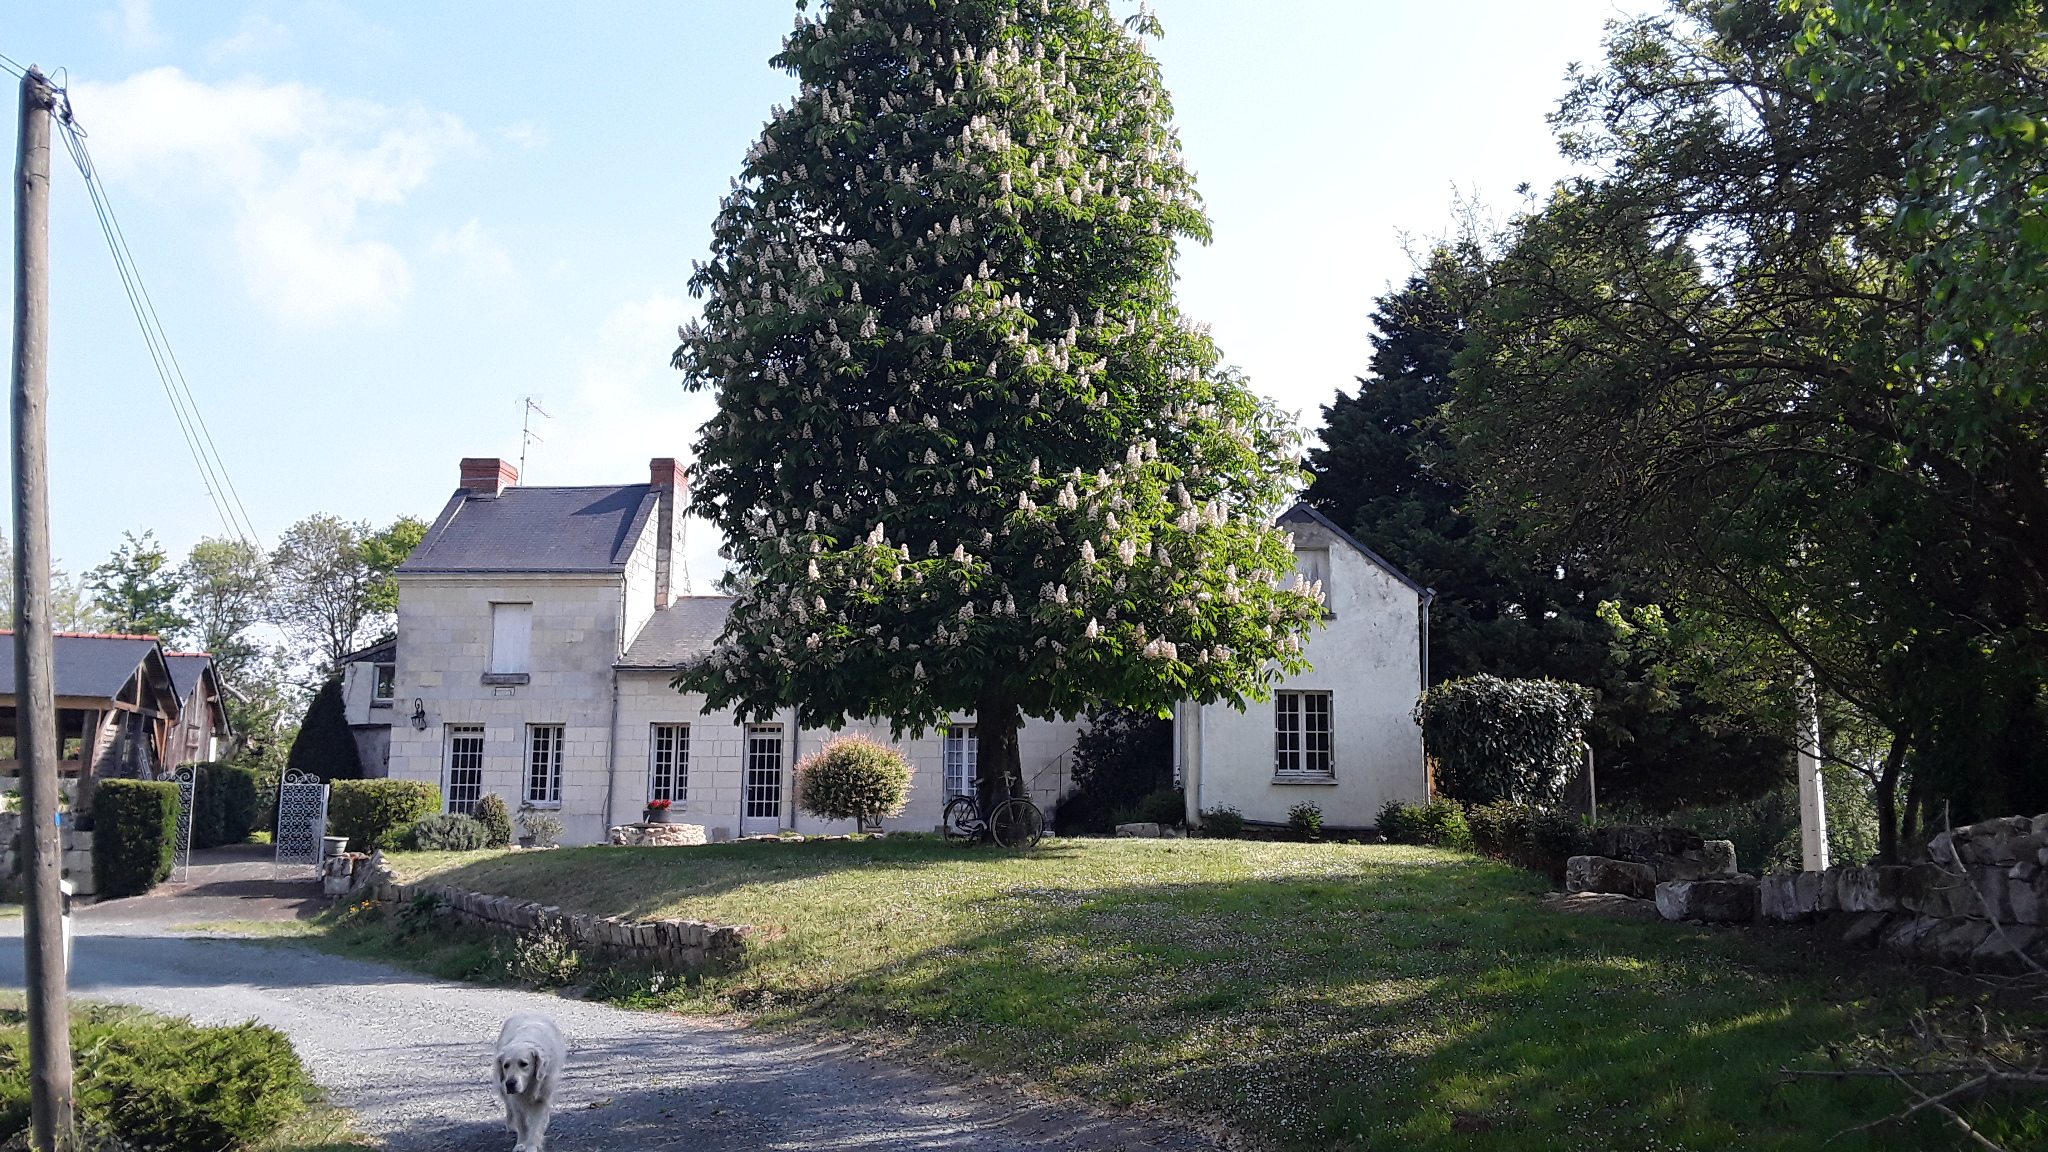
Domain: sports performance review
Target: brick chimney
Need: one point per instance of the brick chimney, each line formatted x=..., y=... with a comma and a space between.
x=487, y=475
x=666, y=478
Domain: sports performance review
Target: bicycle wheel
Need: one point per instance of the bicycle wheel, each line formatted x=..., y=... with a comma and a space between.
x=962, y=821
x=1017, y=823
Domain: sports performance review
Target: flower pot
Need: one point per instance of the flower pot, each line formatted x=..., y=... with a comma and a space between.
x=655, y=816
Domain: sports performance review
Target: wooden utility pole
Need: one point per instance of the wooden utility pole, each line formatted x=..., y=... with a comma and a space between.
x=35, y=687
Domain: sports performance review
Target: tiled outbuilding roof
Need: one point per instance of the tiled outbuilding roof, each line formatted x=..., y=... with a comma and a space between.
x=683, y=631
x=536, y=530
x=87, y=664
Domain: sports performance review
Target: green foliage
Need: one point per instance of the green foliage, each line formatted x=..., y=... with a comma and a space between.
x=1496, y=739
x=137, y=590
x=226, y=590
x=853, y=778
x=496, y=819
x=1223, y=823
x=324, y=745
x=364, y=810
x=1439, y=822
x=135, y=835
x=449, y=832
x=1166, y=806
x=334, y=585
x=968, y=456
x=1387, y=470
x=383, y=551
x=1538, y=838
x=239, y=797
x=1306, y=821
x=1120, y=758
x=396, y=838
x=544, y=827
x=158, y=1083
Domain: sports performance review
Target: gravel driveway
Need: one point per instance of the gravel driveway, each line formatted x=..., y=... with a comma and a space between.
x=407, y=1054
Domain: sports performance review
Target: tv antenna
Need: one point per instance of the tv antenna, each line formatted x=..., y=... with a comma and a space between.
x=531, y=404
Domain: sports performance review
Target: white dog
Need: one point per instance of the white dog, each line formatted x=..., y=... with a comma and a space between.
x=530, y=1056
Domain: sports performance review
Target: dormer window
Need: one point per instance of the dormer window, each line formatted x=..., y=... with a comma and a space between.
x=385, y=679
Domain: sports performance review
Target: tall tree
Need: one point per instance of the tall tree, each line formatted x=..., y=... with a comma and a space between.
x=968, y=456
x=227, y=589
x=1386, y=470
x=383, y=551
x=137, y=589
x=71, y=606
x=324, y=588
x=1778, y=350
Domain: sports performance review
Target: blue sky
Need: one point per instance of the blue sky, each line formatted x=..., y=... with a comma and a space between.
x=371, y=229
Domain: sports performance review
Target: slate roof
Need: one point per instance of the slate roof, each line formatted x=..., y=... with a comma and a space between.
x=88, y=664
x=1302, y=512
x=536, y=530
x=186, y=669
x=683, y=631
x=382, y=652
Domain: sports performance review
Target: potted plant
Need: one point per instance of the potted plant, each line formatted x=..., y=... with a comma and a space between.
x=657, y=812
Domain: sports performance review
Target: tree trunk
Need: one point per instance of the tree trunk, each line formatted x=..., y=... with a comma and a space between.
x=999, y=768
x=1888, y=802
x=1916, y=799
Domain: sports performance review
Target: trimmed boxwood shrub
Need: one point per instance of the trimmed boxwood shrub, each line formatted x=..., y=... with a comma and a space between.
x=135, y=835
x=364, y=810
x=853, y=778
x=166, y=1083
x=449, y=832
x=496, y=819
x=209, y=820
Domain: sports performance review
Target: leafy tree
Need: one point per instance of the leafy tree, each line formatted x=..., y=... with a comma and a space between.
x=1122, y=757
x=227, y=592
x=1768, y=352
x=71, y=606
x=968, y=456
x=137, y=590
x=1386, y=469
x=324, y=745
x=383, y=551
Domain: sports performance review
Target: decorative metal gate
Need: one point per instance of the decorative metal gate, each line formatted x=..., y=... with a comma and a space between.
x=188, y=791
x=301, y=823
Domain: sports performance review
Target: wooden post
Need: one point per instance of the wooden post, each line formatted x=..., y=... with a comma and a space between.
x=35, y=688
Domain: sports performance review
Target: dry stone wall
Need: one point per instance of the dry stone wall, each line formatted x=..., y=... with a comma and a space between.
x=668, y=943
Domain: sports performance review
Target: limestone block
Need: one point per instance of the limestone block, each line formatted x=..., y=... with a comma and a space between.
x=2029, y=904
x=1145, y=831
x=1932, y=890
x=2003, y=948
x=1809, y=893
x=1989, y=898
x=1952, y=945
x=1600, y=874
x=1715, y=901
x=1903, y=934
x=1778, y=897
x=1718, y=856
x=1605, y=904
x=1865, y=928
x=2039, y=825
x=1830, y=891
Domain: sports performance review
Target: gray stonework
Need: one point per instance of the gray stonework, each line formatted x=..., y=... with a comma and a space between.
x=658, y=835
x=670, y=943
x=1600, y=874
x=1731, y=901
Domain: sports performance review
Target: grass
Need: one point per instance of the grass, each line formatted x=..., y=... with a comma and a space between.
x=1311, y=996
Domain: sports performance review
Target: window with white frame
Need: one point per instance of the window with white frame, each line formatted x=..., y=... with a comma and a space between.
x=1301, y=736
x=962, y=751
x=385, y=681
x=668, y=766
x=764, y=772
x=465, y=766
x=543, y=764
x=511, y=638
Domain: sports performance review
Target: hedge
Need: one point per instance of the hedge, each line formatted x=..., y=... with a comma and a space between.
x=135, y=835
x=364, y=810
x=166, y=1083
x=1496, y=739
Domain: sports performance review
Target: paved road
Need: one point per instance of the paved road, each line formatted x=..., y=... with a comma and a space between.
x=408, y=1054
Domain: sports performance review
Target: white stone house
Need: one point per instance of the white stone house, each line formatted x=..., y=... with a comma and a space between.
x=1341, y=735
x=539, y=629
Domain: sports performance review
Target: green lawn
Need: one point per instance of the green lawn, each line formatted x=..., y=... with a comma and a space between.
x=1313, y=996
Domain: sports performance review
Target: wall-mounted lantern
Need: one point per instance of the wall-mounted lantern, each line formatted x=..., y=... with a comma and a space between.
x=419, y=714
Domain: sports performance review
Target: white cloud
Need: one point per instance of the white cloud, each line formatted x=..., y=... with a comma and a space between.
x=627, y=408
x=526, y=134
x=294, y=167
x=134, y=23
x=480, y=257
x=259, y=33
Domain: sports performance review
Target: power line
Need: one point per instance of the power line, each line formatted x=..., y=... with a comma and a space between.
x=213, y=472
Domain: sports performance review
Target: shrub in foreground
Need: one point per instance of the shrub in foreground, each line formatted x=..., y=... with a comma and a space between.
x=1533, y=837
x=496, y=819
x=167, y=1084
x=449, y=832
x=853, y=778
x=1223, y=823
x=364, y=810
x=1306, y=821
x=1439, y=822
x=1496, y=739
x=135, y=835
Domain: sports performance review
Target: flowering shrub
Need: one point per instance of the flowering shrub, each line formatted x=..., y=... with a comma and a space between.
x=659, y=805
x=853, y=778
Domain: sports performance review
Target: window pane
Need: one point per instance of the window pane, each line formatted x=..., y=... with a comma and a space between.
x=465, y=767
x=963, y=752
x=764, y=771
x=387, y=675
x=669, y=766
x=1316, y=748
x=511, y=636
x=1287, y=732
x=544, y=764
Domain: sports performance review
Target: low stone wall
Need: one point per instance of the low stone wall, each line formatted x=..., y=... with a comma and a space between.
x=669, y=943
x=1980, y=901
x=658, y=835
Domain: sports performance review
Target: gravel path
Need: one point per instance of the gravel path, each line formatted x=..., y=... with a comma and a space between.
x=407, y=1054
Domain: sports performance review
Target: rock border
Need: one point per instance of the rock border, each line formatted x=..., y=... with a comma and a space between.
x=670, y=942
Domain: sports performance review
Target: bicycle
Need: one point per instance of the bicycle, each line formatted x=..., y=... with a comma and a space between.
x=1015, y=822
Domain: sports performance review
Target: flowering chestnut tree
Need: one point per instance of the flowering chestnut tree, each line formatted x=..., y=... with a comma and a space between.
x=968, y=456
